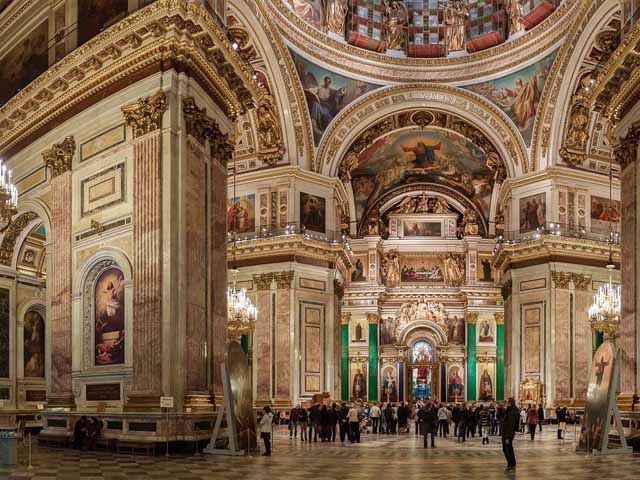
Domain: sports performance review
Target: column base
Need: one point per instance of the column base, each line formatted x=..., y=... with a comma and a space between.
x=61, y=401
x=142, y=403
x=198, y=402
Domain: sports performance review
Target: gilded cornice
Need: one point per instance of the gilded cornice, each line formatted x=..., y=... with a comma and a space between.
x=553, y=246
x=167, y=33
x=617, y=85
x=22, y=7
x=384, y=68
x=361, y=114
x=300, y=245
x=59, y=158
x=145, y=115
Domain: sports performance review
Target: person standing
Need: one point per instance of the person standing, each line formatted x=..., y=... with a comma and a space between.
x=561, y=415
x=499, y=418
x=523, y=419
x=293, y=421
x=532, y=420
x=315, y=419
x=443, y=420
x=343, y=422
x=324, y=423
x=388, y=418
x=492, y=417
x=455, y=416
x=462, y=423
x=540, y=416
x=485, y=424
x=509, y=429
x=374, y=414
x=333, y=422
x=354, y=424
x=429, y=419
x=303, y=420
x=265, y=430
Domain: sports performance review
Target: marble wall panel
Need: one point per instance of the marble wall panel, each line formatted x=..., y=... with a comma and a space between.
x=583, y=343
x=5, y=318
x=283, y=344
x=262, y=349
x=562, y=350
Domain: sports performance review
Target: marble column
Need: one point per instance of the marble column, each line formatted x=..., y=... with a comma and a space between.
x=472, y=320
x=499, y=356
x=509, y=391
x=372, y=319
x=145, y=119
x=627, y=153
x=262, y=335
x=338, y=293
x=583, y=343
x=344, y=356
x=283, y=339
x=562, y=347
x=59, y=162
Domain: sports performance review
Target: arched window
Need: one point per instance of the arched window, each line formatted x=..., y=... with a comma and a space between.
x=34, y=344
x=421, y=352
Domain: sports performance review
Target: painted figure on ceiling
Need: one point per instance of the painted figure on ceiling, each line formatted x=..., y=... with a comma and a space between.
x=325, y=102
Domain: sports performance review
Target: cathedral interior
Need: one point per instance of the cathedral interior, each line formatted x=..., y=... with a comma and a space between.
x=416, y=198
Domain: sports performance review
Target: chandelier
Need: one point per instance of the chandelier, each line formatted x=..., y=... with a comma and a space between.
x=241, y=312
x=604, y=313
x=8, y=198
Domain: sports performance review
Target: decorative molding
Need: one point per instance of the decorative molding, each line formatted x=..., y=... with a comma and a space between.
x=145, y=115
x=195, y=119
x=499, y=317
x=283, y=279
x=338, y=288
x=263, y=281
x=506, y=290
x=59, y=158
x=626, y=150
x=561, y=279
x=373, y=318
x=11, y=235
x=269, y=132
x=345, y=318
x=581, y=281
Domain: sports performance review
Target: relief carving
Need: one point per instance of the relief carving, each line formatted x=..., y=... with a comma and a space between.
x=269, y=133
x=263, y=281
x=59, y=157
x=145, y=115
x=283, y=279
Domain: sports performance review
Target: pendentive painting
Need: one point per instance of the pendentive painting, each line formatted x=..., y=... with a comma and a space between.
x=389, y=383
x=313, y=212
x=518, y=94
x=601, y=382
x=604, y=213
x=33, y=345
x=533, y=210
x=109, y=317
x=97, y=15
x=24, y=62
x=326, y=92
x=241, y=214
x=4, y=332
x=430, y=156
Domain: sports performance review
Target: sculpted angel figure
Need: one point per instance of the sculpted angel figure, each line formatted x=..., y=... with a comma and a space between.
x=335, y=14
x=396, y=14
x=470, y=221
x=514, y=12
x=454, y=17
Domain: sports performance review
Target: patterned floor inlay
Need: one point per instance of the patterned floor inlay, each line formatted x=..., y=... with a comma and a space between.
x=378, y=456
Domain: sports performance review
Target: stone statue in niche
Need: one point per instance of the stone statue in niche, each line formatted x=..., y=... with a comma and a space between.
x=335, y=15
x=454, y=17
x=269, y=134
x=396, y=14
x=514, y=12
x=470, y=222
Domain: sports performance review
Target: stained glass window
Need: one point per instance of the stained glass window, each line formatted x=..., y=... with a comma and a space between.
x=421, y=352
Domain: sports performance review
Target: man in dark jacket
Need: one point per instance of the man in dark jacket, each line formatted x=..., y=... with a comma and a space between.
x=343, y=422
x=429, y=419
x=509, y=429
x=540, y=416
x=314, y=422
x=333, y=421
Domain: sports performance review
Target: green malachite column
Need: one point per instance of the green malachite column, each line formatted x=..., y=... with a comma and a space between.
x=373, y=358
x=472, y=318
x=244, y=342
x=344, y=360
x=499, y=356
x=598, y=340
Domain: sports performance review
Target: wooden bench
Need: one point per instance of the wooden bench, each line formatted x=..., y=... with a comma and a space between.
x=53, y=440
x=134, y=447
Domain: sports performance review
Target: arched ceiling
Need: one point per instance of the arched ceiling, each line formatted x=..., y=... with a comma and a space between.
x=32, y=254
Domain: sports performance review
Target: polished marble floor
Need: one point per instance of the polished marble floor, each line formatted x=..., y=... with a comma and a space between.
x=378, y=456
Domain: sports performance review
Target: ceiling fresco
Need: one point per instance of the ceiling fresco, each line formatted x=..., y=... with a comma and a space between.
x=425, y=156
x=518, y=94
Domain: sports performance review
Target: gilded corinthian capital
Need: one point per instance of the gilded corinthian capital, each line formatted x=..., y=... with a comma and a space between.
x=283, y=279
x=145, y=115
x=58, y=158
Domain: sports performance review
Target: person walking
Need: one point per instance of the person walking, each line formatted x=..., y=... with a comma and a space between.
x=293, y=421
x=429, y=420
x=540, y=416
x=532, y=420
x=485, y=424
x=265, y=430
x=561, y=415
x=354, y=424
x=374, y=414
x=492, y=417
x=443, y=421
x=509, y=429
x=523, y=419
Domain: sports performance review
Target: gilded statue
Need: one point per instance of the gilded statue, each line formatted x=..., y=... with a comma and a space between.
x=514, y=12
x=269, y=134
x=348, y=165
x=396, y=14
x=454, y=17
x=390, y=269
x=470, y=222
x=422, y=204
x=335, y=15
x=578, y=134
